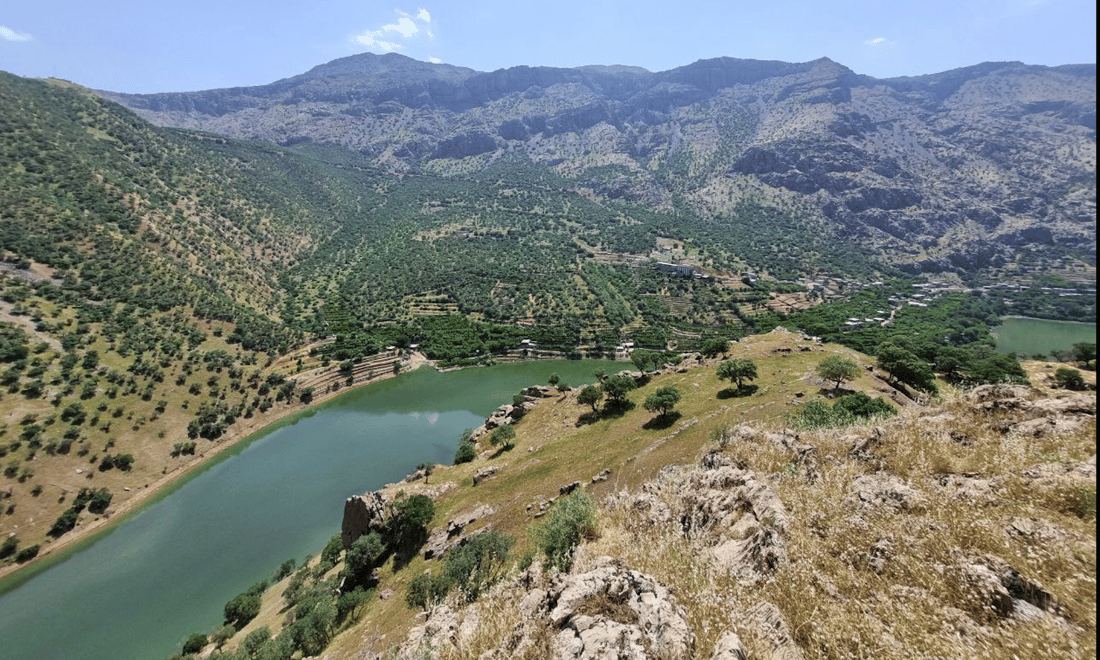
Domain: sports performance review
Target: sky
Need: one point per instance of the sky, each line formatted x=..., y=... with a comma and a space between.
x=143, y=46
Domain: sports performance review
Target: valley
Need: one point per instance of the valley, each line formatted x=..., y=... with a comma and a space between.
x=179, y=271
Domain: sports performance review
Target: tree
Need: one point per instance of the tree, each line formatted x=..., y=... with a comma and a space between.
x=1084, y=352
x=714, y=346
x=617, y=387
x=409, y=520
x=591, y=396
x=194, y=643
x=362, y=558
x=242, y=608
x=663, y=400
x=906, y=367
x=1069, y=379
x=837, y=369
x=740, y=369
x=554, y=379
x=645, y=359
x=503, y=435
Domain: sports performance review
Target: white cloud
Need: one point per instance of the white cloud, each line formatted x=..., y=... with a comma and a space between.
x=371, y=39
x=8, y=34
x=404, y=26
x=393, y=36
x=435, y=60
x=877, y=41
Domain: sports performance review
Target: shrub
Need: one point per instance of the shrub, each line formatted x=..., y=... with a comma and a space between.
x=26, y=554
x=9, y=546
x=409, y=520
x=332, y=550
x=466, y=452
x=479, y=564
x=362, y=558
x=194, y=643
x=861, y=405
x=425, y=590
x=1069, y=379
x=573, y=518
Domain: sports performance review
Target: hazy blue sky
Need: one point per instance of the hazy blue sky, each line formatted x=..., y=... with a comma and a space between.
x=147, y=45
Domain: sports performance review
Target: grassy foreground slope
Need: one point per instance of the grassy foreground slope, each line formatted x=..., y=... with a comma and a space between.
x=859, y=578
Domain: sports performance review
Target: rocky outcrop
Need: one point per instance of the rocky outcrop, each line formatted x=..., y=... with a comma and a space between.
x=884, y=491
x=452, y=534
x=728, y=510
x=362, y=514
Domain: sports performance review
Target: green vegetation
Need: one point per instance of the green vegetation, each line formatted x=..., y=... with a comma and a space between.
x=503, y=436
x=1069, y=379
x=244, y=607
x=838, y=370
x=850, y=409
x=663, y=401
x=472, y=568
x=572, y=519
x=738, y=371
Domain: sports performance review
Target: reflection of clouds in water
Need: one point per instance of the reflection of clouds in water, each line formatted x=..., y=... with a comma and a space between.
x=431, y=417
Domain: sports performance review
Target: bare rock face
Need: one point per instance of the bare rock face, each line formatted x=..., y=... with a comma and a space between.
x=451, y=536
x=362, y=514
x=612, y=612
x=725, y=508
x=729, y=647
x=1002, y=588
x=772, y=626
x=884, y=490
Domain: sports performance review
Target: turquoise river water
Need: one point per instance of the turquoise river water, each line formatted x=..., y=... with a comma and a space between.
x=138, y=590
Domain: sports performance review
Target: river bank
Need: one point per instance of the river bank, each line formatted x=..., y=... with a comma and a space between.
x=141, y=497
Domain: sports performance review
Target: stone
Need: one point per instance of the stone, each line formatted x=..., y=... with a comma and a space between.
x=451, y=536
x=485, y=472
x=569, y=488
x=602, y=476
x=884, y=490
x=614, y=612
x=362, y=514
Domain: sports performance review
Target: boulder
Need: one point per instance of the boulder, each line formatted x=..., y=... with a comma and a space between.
x=884, y=490
x=614, y=612
x=484, y=473
x=362, y=514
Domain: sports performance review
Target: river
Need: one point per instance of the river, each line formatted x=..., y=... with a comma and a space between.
x=141, y=588
x=1027, y=336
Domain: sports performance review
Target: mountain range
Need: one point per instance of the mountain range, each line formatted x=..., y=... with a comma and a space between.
x=984, y=169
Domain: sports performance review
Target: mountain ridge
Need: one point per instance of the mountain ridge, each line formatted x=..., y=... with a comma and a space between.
x=959, y=171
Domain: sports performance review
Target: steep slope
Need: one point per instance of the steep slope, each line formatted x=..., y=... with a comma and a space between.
x=988, y=169
x=961, y=527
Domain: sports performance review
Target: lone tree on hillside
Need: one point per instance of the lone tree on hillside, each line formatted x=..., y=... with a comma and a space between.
x=838, y=370
x=591, y=396
x=1084, y=352
x=504, y=435
x=663, y=400
x=616, y=388
x=737, y=370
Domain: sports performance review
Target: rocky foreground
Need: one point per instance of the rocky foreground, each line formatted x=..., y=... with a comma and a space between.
x=935, y=535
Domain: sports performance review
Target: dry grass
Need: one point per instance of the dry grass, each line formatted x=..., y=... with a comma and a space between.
x=859, y=583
